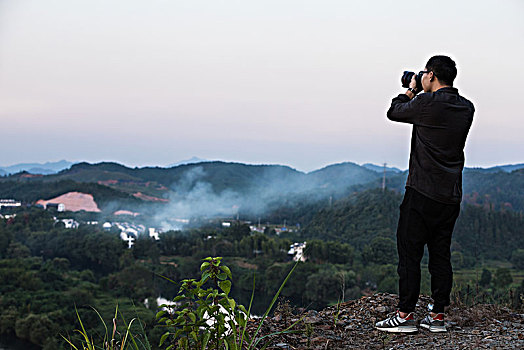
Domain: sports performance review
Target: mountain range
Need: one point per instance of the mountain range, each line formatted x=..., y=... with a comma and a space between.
x=48, y=168
x=501, y=186
x=36, y=168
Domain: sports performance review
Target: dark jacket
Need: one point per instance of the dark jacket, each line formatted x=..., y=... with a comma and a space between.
x=441, y=121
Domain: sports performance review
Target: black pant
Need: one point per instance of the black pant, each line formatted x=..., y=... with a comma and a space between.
x=424, y=221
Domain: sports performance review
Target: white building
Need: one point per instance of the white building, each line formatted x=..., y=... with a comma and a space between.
x=153, y=233
x=296, y=250
x=254, y=228
x=9, y=203
x=70, y=223
x=128, y=238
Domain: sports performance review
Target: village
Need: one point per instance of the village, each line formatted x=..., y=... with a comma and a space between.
x=131, y=231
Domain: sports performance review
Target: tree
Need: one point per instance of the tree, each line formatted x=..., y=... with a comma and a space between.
x=18, y=250
x=323, y=286
x=7, y=320
x=457, y=259
x=517, y=258
x=485, y=278
x=502, y=278
x=381, y=250
x=237, y=231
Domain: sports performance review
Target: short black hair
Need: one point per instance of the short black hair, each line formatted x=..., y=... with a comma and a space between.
x=444, y=69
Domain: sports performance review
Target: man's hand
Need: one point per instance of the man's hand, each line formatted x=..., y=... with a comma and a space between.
x=413, y=82
x=412, y=85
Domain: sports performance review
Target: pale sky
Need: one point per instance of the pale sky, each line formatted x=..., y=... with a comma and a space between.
x=300, y=83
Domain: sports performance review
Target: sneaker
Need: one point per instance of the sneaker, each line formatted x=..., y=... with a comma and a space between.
x=434, y=324
x=397, y=324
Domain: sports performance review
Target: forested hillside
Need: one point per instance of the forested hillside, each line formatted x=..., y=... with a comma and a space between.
x=31, y=191
x=265, y=180
x=480, y=233
x=489, y=188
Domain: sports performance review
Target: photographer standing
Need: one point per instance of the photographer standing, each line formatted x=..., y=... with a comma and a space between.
x=441, y=120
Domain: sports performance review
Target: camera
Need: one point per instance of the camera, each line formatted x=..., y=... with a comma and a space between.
x=407, y=76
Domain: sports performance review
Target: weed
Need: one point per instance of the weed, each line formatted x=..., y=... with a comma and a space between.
x=117, y=341
x=309, y=332
x=208, y=318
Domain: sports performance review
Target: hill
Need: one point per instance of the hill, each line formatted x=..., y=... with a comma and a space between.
x=360, y=218
x=498, y=190
x=32, y=191
x=268, y=192
x=260, y=181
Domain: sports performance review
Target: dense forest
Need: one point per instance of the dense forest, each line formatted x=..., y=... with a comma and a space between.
x=46, y=270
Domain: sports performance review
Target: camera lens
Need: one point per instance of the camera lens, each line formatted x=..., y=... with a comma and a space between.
x=406, y=78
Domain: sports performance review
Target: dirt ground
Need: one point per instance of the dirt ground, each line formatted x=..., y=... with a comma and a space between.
x=352, y=327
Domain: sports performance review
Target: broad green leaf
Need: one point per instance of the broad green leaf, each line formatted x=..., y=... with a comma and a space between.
x=194, y=335
x=205, y=340
x=225, y=286
x=227, y=271
x=205, y=276
x=204, y=265
x=232, y=303
x=163, y=338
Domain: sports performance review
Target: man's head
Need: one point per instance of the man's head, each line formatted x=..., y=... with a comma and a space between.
x=441, y=71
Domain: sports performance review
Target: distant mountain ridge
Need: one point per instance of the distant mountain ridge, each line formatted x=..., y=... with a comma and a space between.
x=219, y=175
x=507, y=168
x=380, y=169
x=191, y=160
x=259, y=184
x=48, y=168
x=36, y=168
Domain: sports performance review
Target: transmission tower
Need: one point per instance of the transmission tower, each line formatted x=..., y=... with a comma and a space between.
x=384, y=178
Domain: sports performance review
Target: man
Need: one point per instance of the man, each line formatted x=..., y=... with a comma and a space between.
x=441, y=120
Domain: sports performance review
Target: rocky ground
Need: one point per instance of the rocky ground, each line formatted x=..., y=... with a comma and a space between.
x=351, y=326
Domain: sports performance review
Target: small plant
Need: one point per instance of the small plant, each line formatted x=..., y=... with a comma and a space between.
x=336, y=314
x=309, y=332
x=284, y=310
x=208, y=318
x=117, y=341
x=343, y=289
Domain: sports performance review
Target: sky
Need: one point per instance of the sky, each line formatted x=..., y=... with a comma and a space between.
x=300, y=83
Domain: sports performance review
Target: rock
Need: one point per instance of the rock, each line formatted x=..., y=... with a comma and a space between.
x=312, y=319
x=381, y=309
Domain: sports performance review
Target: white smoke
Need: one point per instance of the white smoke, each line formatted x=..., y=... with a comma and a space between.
x=191, y=197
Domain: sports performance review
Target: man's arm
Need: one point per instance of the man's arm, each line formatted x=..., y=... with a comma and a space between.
x=406, y=110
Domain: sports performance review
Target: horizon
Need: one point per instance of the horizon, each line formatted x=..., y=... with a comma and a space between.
x=201, y=160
